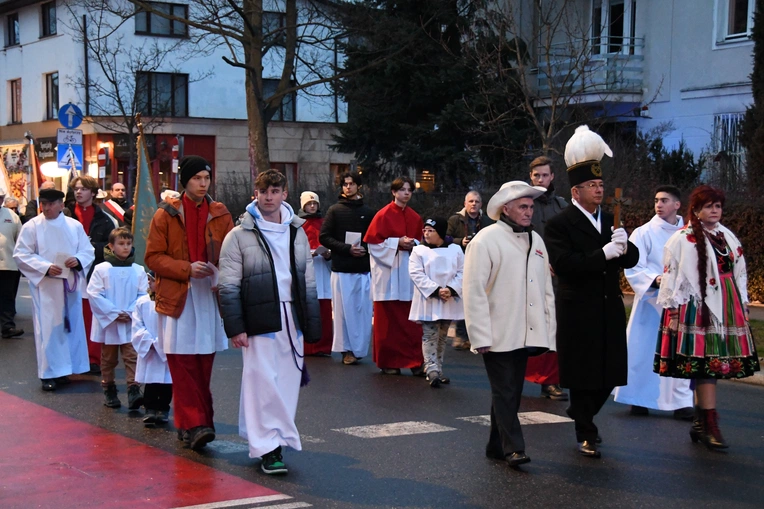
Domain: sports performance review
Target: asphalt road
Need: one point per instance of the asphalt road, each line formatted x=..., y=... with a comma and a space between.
x=647, y=461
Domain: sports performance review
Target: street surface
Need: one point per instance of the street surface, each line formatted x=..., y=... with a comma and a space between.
x=369, y=441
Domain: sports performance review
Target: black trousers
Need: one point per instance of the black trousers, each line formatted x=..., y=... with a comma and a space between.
x=506, y=374
x=584, y=405
x=9, y=286
x=157, y=397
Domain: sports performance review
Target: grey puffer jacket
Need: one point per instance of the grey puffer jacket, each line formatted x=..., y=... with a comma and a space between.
x=248, y=289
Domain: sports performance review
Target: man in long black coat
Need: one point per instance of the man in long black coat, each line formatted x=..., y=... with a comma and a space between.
x=587, y=256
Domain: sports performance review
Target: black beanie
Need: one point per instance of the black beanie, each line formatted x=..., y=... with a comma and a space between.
x=190, y=166
x=438, y=224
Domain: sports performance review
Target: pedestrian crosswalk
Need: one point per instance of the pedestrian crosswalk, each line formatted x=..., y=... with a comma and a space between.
x=526, y=418
x=252, y=503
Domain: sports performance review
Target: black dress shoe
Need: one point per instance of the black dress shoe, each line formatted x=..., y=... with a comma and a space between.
x=200, y=436
x=48, y=384
x=588, y=449
x=553, y=392
x=12, y=333
x=518, y=458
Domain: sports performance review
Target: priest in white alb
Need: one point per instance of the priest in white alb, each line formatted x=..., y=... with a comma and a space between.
x=54, y=253
x=646, y=390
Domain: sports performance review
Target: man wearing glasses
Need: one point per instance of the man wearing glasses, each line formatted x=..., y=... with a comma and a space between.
x=342, y=231
x=587, y=253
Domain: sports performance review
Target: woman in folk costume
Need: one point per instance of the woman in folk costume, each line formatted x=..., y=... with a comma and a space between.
x=311, y=213
x=436, y=266
x=705, y=334
x=391, y=236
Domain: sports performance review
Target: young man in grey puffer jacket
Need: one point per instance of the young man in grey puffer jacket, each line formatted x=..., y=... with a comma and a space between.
x=269, y=307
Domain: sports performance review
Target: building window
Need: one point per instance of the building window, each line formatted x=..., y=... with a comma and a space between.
x=151, y=23
x=292, y=173
x=613, y=26
x=286, y=110
x=734, y=20
x=162, y=94
x=273, y=24
x=51, y=92
x=16, y=101
x=337, y=170
x=48, y=19
x=727, y=145
x=12, y=29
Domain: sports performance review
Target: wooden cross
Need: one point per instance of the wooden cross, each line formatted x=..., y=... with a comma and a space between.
x=617, y=201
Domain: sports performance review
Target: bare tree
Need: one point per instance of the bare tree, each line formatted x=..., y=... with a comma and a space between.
x=114, y=88
x=548, y=61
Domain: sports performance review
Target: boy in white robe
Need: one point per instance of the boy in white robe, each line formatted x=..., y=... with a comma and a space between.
x=647, y=390
x=114, y=287
x=151, y=368
x=436, y=268
x=269, y=306
x=54, y=253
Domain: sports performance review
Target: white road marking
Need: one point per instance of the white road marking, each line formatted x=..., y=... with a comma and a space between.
x=311, y=440
x=241, y=501
x=395, y=429
x=293, y=505
x=525, y=418
x=228, y=447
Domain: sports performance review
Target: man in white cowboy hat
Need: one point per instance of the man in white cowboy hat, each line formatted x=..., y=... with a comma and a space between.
x=509, y=309
x=587, y=254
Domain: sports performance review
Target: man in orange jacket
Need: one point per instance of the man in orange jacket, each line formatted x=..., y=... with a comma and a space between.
x=183, y=248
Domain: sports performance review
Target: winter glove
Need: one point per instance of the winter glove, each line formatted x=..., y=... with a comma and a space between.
x=612, y=250
x=619, y=236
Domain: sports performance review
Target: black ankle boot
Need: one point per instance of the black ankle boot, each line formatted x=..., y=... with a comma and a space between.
x=712, y=435
x=697, y=426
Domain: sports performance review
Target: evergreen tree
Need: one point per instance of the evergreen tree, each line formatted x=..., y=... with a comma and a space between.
x=752, y=135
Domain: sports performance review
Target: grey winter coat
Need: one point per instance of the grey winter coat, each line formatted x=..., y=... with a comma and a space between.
x=248, y=289
x=545, y=207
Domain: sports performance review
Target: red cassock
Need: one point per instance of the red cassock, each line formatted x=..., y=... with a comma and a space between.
x=312, y=229
x=543, y=369
x=397, y=342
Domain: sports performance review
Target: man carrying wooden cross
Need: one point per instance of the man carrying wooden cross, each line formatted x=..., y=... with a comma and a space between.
x=587, y=253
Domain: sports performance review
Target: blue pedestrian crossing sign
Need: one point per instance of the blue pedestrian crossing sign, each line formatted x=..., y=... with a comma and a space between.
x=69, y=155
x=70, y=116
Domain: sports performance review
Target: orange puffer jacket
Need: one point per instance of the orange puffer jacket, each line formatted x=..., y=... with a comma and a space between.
x=167, y=250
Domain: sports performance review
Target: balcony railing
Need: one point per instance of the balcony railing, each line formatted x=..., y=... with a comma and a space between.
x=605, y=65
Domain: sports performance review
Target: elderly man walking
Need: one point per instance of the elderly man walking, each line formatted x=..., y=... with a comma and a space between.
x=10, y=226
x=509, y=309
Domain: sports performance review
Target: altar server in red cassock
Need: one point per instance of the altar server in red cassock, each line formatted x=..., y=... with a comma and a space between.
x=391, y=236
x=310, y=211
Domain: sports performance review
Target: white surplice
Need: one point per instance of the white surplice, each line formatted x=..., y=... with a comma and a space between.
x=199, y=329
x=390, y=272
x=646, y=388
x=59, y=353
x=270, y=379
x=151, y=367
x=430, y=269
x=113, y=290
x=323, y=271
x=353, y=308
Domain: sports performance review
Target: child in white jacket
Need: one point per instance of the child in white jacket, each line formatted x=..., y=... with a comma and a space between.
x=152, y=367
x=436, y=268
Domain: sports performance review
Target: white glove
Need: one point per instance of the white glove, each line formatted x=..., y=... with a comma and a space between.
x=612, y=250
x=619, y=236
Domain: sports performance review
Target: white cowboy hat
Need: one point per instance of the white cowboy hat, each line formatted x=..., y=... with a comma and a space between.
x=511, y=191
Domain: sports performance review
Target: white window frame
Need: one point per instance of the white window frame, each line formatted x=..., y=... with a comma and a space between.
x=721, y=24
x=628, y=22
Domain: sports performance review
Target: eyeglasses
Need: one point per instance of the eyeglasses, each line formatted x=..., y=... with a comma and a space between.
x=592, y=185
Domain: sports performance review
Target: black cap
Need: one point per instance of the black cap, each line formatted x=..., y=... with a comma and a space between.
x=190, y=166
x=51, y=195
x=439, y=224
x=583, y=172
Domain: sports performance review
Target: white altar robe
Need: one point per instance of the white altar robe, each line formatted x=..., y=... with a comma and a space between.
x=353, y=309
x=646, y=388
x=390, y=272
x=431, y=269
x=59, y=353
x=113, y=290
x=151, y=367
x=322, y=268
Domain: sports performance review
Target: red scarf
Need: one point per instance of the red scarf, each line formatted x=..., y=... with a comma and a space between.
x=393, y=221
x=195, y=215
x=85, y=216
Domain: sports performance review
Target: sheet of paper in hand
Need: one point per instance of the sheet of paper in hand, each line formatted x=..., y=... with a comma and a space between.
x=61, y=262
x=353, y=238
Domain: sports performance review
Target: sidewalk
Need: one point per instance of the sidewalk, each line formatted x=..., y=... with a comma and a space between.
x=757, y=313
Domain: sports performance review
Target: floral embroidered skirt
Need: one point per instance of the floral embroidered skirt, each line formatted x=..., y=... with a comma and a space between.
x=697, y=351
